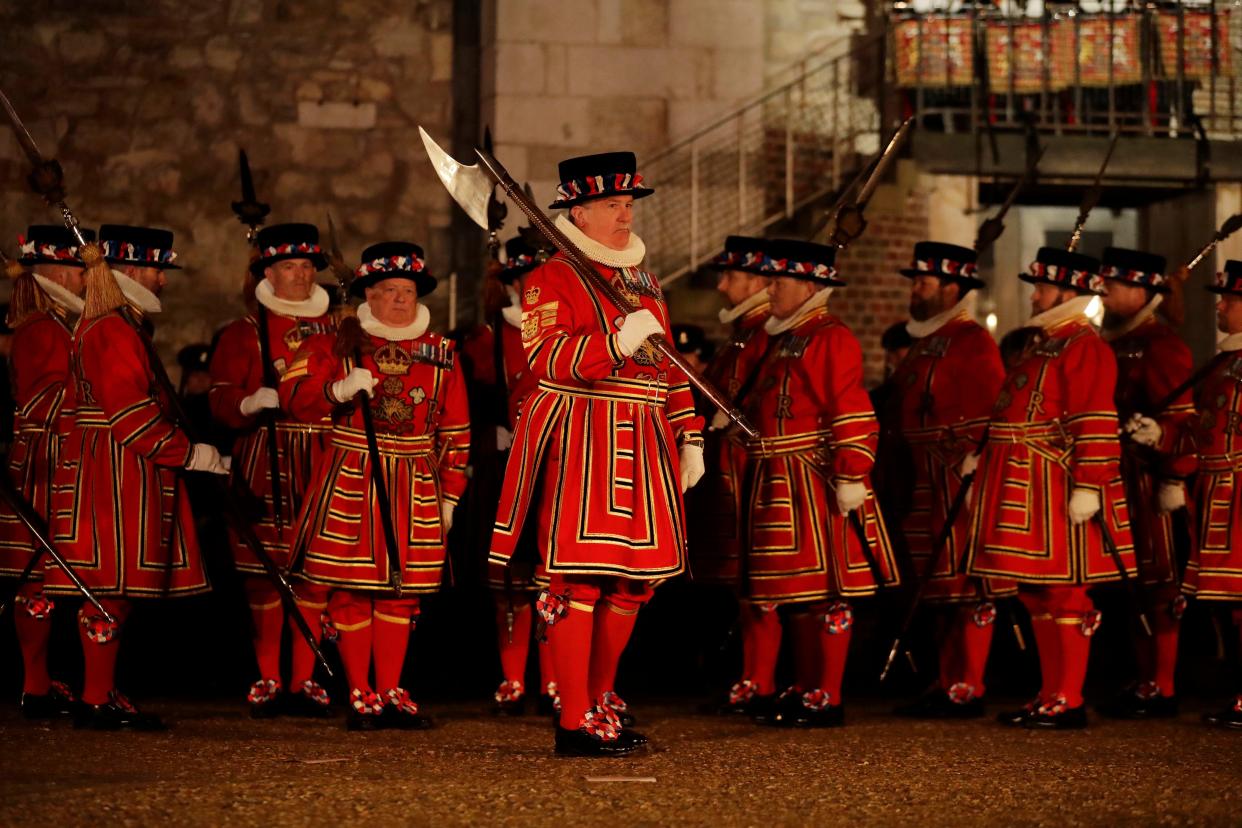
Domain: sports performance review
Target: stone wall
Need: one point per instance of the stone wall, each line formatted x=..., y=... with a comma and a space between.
x=145, y=102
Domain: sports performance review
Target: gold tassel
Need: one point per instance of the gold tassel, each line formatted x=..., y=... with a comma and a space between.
x=103, y=294
x=27, y=297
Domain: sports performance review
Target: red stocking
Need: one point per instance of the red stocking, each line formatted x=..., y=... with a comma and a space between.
x=32, y=636
x=351, y=615
x=514, y=644
x=100, y=658
x=268, y=619
x=312, y=600
x=390, y=638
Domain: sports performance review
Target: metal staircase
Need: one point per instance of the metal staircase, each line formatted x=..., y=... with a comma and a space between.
x=758, y=165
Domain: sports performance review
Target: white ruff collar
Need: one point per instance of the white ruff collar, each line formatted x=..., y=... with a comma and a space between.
x=1133, y=322
x=60, y=294
x=927, y=327
x=631, y=256
x=1233, y=342
x=728, y=315
x=138, y=296
x=776, y=326
x=315, y=305
x=422, y=318
x=1061, y=313
x=513, y=313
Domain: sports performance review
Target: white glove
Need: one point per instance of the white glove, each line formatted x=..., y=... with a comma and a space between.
x=205, y=457
x=850, y=496
x=359, y=379
x=446, y=515
x=1144, y=430
x=691, y=465
x=1171, y=496
x=504, y=438
x=1083, y=505
x=969, y=463
x=720, y=421
x=635, y=329
x=259, y=400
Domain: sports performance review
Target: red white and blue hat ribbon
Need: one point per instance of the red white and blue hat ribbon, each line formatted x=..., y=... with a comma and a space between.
x=1079, y=279
x=390, y=264
x=33, y=249
x=597, y=185
x=1135, y=277
x=136, y=253
x=947, y=267
x=815, y=270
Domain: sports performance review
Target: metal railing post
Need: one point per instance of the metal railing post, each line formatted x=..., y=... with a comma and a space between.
x=694, y=205
x=789, y=153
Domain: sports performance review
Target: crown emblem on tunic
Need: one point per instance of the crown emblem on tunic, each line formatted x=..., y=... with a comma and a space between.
x=390, y=358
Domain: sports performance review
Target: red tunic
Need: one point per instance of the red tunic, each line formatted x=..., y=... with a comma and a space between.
x=1214, y=572
x=519, y=381
x=423, y=425
x=1054, y=428
x=236, y=372
x=714, y=506
x=120, y=512
x=40, y=370
x=817, y=427
x=942, y=420
x=1152, y=360
x=597, y=442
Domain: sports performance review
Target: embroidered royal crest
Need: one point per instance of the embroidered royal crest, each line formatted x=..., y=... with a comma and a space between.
x=531, y=296
x=392, y=386
x=417, y=394
x=393, y=410
x=392, y=359
x=536, y=319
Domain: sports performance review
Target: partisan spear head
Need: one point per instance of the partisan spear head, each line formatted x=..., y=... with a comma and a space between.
x=250, y=211
x=469, y=185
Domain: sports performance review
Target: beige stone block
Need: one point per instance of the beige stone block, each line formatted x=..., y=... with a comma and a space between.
x=541, y=162
x=556, y=69
x=546, y=21
x=398, y=37
x=309, y=91
x=222, y=53
x=336, y=115
x=689, y=73
x=185, y=57
x=316, y=148
x=687, y=116
x=736, y=75
x=441, y=57
x=293, y=186
x=639, y=124
x=555, y=121
x=738, y=23
x=608, y=21
x=82, y=45
x=250, y=109
x=208, y=105
x=515, y=157
x=374, y=89
x=519, y=69
x=644, y=22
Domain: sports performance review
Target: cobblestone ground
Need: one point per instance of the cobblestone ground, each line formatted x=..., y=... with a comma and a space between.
x=218, y=767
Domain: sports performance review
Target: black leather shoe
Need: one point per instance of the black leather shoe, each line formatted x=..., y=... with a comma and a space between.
x=402, y=713
x=510, y=707
x=308, y=702
x=117, y=714
x=362, y=721
x=764, y=709
x=580, y=743
x=547, y=706
x=831, y=716
x=57, y=702
x=632, y=737
x=1015, y=718
x=266, y=700
x=1130, y=705
x=1230, y=718
x=622, y=710
x=1074, y=718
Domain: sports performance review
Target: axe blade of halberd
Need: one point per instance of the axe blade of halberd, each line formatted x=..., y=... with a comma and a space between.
x=469, y=185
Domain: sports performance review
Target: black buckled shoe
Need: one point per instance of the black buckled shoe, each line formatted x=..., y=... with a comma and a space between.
x=927, y=706
x=1057, y=716
x=618, y=706
x=118, y=713
x=265, y=699
x=1015, y=718
x=401, y=712
x=1136, y=703
x=1229, y=718
x=510, y=699
x=310, y=701
x=57, y=702
x=811, y=709
x=581, y=743
x=365, y=709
